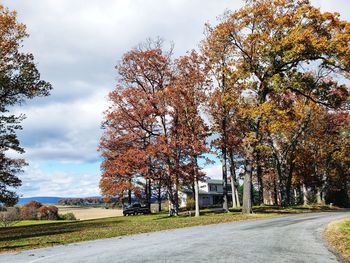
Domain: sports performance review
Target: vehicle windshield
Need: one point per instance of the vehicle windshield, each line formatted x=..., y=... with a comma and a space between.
x=133, y=205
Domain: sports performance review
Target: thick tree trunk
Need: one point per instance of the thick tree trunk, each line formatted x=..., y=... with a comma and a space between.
x=304, y=195
x=319, y=196
x=159, y=197
x=247, y=196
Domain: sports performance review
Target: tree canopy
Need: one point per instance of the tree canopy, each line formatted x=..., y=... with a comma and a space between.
x=19, y=80
x=270, y=85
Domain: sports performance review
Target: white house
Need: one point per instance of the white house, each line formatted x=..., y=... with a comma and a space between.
x=210, y=193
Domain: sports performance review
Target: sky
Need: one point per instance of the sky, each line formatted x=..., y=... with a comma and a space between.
x=76, y=45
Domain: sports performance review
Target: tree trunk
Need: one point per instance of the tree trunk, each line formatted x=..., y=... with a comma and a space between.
x=259, y=178
x=289, y=183
x=196, y=193
x=295, y=201
x=224, y=138
x=233, y=193
x=319, y=196
x=177, y=195
x=149, y=194
x=237, y=198
x=275, y=192
x=159, y=197
x=233, y=181
x=224, y=178
x=171, y=199
x=196, y=186
x=247, y=196
x=304, y=195
x=129, y=196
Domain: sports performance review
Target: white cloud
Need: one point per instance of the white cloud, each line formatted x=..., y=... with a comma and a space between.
x=214, y=172
x=61, y=184
x=64, y=131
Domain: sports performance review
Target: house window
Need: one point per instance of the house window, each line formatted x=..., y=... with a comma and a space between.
x=213, y=188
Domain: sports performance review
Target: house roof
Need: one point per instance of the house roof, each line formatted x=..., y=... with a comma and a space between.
x=201, y=192
x=214, y=181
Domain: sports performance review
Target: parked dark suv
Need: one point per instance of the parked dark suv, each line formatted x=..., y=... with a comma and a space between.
x=136, y=209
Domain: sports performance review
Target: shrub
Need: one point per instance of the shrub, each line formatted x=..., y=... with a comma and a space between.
x=48, y=212
x=35, y=204
x=190, y=203
x=29, y=211
x=9, y=216
x=68, y=216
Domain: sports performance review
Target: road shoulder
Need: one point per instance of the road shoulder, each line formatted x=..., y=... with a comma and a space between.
x=337, y=235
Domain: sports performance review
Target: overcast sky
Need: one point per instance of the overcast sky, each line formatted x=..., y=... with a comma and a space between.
x=76, y=45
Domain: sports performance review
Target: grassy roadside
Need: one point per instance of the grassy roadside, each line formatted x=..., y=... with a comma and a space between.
x=36, y=233
x=38, y=222
x=34, y=236
x=338, y=236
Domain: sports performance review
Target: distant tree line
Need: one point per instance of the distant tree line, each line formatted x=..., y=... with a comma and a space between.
x=84, y=201
x=267, y=85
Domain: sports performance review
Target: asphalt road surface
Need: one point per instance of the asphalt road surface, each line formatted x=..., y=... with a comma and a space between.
x=296, y=238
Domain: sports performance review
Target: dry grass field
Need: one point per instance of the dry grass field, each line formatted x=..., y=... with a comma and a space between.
x=338, y=236
x=86, y=213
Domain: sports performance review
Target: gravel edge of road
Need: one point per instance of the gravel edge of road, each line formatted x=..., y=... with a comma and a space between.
x=328, y=244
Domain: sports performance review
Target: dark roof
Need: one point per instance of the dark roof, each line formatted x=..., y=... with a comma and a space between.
x=214, y=181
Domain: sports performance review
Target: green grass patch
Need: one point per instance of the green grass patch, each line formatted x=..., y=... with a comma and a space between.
x=37, y=222
x=59, y=233
x=338, y=236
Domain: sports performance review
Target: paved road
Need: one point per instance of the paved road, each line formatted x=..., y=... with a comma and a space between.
x=296, y=238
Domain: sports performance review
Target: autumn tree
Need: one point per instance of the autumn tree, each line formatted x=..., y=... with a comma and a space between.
x=189, y=128
x=19, y=80
x=217, y=50
x=137, y=137
x=270, y=44
x=322, y=160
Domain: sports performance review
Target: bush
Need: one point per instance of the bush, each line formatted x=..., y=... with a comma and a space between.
x=68, y=216
x=9, y=216
x=49, y=212
x=29, y=211
x=35, y=204
x=190, y=203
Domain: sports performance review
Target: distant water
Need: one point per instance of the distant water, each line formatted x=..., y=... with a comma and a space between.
x=47, y=199
x=41, y=199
